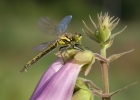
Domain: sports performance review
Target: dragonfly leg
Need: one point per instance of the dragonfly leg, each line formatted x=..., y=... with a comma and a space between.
x=62, y=49
x=79, y=46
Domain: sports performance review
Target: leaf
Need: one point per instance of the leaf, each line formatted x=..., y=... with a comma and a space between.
x=124, y=88
x=115, y=56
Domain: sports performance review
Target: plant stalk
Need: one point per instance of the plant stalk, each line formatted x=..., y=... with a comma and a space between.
x=104, y=69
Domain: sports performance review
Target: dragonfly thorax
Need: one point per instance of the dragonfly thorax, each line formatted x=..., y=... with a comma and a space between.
x=65, y=39
x=68, y=38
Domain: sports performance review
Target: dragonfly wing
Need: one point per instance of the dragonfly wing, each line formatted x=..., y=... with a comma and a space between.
x=62, y=26
x=46, y=25
x=43, y=46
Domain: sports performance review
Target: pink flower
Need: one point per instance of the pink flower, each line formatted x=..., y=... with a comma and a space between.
x=45, y=79
x=58, y=82
x=57, y=85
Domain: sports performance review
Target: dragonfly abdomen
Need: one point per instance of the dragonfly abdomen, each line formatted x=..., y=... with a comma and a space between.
x=40, y=55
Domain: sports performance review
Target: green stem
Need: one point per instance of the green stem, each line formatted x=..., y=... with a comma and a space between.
x=104, y=67
x=103, y=51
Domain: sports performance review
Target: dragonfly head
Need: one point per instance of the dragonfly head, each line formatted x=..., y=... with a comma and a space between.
x=77, y=37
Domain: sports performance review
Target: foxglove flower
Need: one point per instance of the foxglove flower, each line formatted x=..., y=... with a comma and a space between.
x=58, y=81
x=45, y=79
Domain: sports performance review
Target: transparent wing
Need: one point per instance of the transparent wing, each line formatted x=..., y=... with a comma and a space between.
x=46, y=25
x=43, y=46
x=62, y=26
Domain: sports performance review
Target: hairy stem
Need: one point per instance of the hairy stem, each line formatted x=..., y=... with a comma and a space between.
x=104, y=69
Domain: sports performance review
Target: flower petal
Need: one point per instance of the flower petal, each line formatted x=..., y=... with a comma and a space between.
x=62, y=84
x=46, y=77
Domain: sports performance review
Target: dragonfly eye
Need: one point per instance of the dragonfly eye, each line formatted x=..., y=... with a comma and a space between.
x=78, y=34
x=77, y=37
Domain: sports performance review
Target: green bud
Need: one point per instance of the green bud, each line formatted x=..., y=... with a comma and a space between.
x=82, y=95
x=109, y=42
x=82, y=91
x=85, y=56
x=67, y=54
x=103, y=30
x=103, y=34
x=80, y=84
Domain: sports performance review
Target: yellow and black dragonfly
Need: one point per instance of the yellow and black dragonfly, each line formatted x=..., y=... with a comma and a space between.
x=64, y=40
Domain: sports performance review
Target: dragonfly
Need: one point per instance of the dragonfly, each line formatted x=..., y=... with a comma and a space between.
x=64, y=40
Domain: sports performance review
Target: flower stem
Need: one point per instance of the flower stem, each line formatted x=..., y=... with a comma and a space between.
x=104, y=67
x=103, y=51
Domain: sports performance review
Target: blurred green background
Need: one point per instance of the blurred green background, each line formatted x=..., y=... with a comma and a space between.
x=19, y=34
